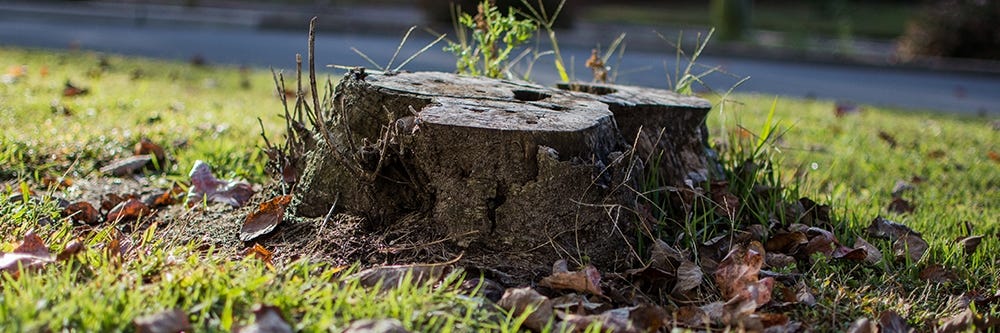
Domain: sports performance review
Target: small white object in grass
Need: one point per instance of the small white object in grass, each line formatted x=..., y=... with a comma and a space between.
x=814, y=165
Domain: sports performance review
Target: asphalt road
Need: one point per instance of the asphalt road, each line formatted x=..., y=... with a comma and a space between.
x=911, y=89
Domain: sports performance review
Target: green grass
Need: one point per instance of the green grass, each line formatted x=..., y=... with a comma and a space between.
x=838, y=161
x=862, y=19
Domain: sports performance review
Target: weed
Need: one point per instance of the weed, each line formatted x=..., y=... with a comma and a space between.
x=494, y=37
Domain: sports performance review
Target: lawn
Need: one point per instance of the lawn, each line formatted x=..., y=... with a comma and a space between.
x=52, y=142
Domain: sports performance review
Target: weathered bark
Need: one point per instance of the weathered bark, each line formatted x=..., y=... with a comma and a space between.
x=510, y=171
x=667, y=129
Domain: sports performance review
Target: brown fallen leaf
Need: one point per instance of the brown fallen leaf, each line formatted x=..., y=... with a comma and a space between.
x=614, y=320
x=936, y=154
x=267, y=319
x=888, y=138
x=886, y=229
x=910, y=246
x=938, y=274
x=689, y=277
x=587, y=279
x=970, y=244
x=258, y=251
x=147, y=147
x=891, y=322
x=874, y=255
x=863, y=325
x=900, y=206
x=994, y=156
x=786, y=242
x=131, y=209
x=737, y=274
x=168, y=321
x=30, y=254
x=820, y=241
x=390, y=277
x=691, y=316
x=778, y=260
x=267, y=217
x=82, y=212
x=388, y=325
x=648, y=317
x=75, y=246
x=205, y=187
x=960, y=322
x=664, y=256
x=727, y=204
x=70, y=90
x=526, y=300
x=844, y=253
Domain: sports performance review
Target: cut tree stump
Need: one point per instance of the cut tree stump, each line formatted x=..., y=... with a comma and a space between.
x=511, y=174
x=667, y=129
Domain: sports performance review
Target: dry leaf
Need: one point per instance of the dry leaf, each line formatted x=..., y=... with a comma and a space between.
x=888, y=139
x=267, y=319
x=737, y=274
x=82, y=212
x=886, y=229
x=169, y=321
x=911, y=246
x=392, y=276
x=146, y=147
x=938, y=274
x=845, y=253
x=127, y=166
x=70, y=90
x=994, y=156
x=874, y=255
x=689, y=277
x=75, y=246
x=205, y=187
x=820, y=241
x=692, y=316
x=261, y=253
x=778, y=260
x=786, y=242
x=614, y=320
x=30, y=254
x=957, y=323
x=267, y=216
x=648, y=317
x=587, y=279
x=665, y=257
x=520, y=300
x=891, y=322
x=970, y=244
x=389, y=325
x=726, y=203
x=862, y=325
x=900, y=206
x=936, y=154
x=131, y=209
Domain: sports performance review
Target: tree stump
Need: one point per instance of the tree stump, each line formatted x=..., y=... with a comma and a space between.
x=667, y=129
x=511, y=174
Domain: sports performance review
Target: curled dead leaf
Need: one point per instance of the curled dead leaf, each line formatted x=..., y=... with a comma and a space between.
x=737, y=274
x=892, y=322
x=205, y=187
x=938, y=274
x=970, y=244
x=75, y=246
x=267, y=217
x=30, y=254
x=900, y=206
x=906, y=243
x=587, y=279
x=691, y=316
x=82, y=212
x=168, y=321
x=526, y=300
x=131, y=209
x=390, y=277
x=147, y=147
x=786, y=242
x=910, y=246
x=261, y=253
x=778, y=260
x=689, y=277
x=874, y=255
x=267, y=319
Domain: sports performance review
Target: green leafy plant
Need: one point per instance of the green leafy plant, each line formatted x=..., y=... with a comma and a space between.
x=494, y=36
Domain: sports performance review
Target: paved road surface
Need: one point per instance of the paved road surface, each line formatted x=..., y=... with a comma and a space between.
x=963, y=93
